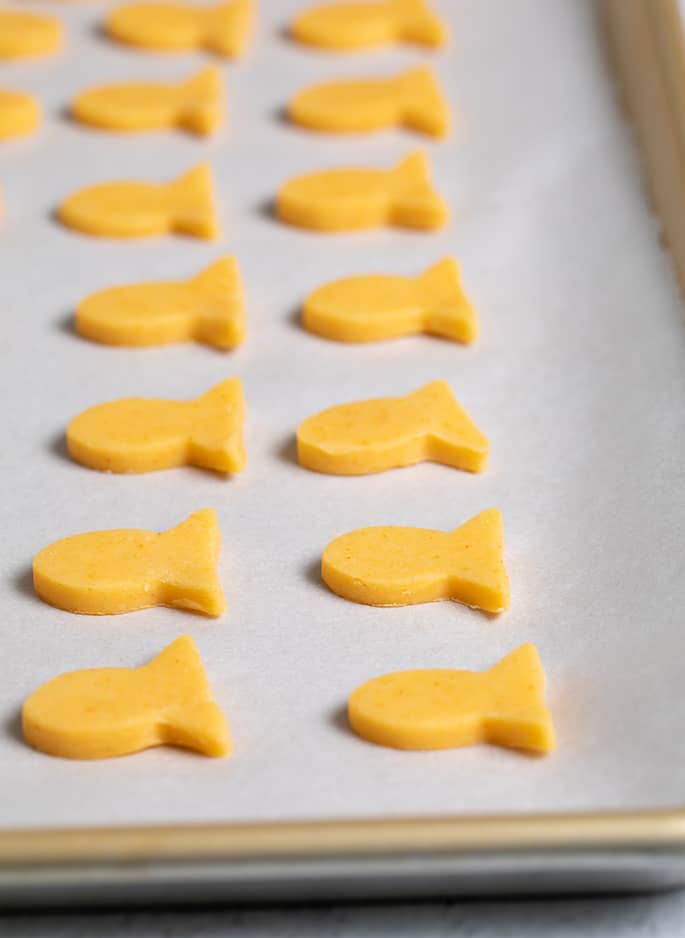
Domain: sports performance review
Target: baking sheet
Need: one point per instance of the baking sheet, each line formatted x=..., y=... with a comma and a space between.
x=578, y=381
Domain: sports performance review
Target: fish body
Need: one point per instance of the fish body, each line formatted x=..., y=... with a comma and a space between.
x=411, y=99
x=19, y=114
x=25, y=35
x=101, y=713
x=385, y=433
x=109, y=572
x=443, y=708
x=195, y=104
x=134, y=209
x=360, y=25
x=399, y=566
x=373, y=307
x=208, y=308
x=175, y=27
x=144, y=435
x=355, y=199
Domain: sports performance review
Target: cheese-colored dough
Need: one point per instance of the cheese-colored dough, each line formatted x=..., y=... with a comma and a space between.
x=135, y=209
x=146, y=434
x=108, y=572
x=411, y=99
x=381, y=306
x=360, y=24
x=209, y=308
x=176, y=27
x=25, y=35
x=353, y=199
x=194, y=104
x=106, y=712
x=445, y=709
x=395, y=566
x=19, y=114
x=380, y=434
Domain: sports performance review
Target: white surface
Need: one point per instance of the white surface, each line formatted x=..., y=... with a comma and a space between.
x=578, y=381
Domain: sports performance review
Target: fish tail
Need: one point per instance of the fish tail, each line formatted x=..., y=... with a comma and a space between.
x=453, y=438
x=228, y=26
x=221, y=310
x=519, y=718
x=216, y=440
x=424, y=104
x=202, y=727
x=448, y=311
x=201, y=101
x=193, y=203
x=433, y=398
x=415, y=203
x=418, y=23
x=479, y=577
x=179, y=658
x=188, y=556
x=193, y=719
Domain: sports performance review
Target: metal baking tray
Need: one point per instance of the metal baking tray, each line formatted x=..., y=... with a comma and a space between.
x=577, y=379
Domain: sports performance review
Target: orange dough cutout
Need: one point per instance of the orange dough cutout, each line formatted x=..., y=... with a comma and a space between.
x=194, y=104
x=178, y=27
x=140, y=434
x=108, y=572
x=106, y=712
x=209, y=308
x=354, y=199
x=444, y=709
x=135, y=209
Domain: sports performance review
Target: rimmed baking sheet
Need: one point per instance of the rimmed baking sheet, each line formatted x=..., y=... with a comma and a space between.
x=577, y=380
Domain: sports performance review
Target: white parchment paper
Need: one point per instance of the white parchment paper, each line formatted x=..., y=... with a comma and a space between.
x=578, y=381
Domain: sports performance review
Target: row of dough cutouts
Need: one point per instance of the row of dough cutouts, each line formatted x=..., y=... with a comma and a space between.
x=109, y=712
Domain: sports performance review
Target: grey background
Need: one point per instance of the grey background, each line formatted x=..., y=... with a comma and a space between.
x=635, y=917
x=576, y=380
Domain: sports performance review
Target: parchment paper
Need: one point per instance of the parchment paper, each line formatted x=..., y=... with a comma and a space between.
x=578, y=381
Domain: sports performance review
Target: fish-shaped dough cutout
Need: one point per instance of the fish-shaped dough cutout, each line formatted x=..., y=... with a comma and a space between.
x=372, y=307
x=141, y=434
x=19, y=114
x=387, y=432
x=360, y=25
x=175, y=27
x=101, y=713
x=135, y=209
x=208, y=308
x=25, y=35
x=354, y=199
x=442, y=708
x=121, y=570
x=411, y=99
x=397, y=566
x=195, y=104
